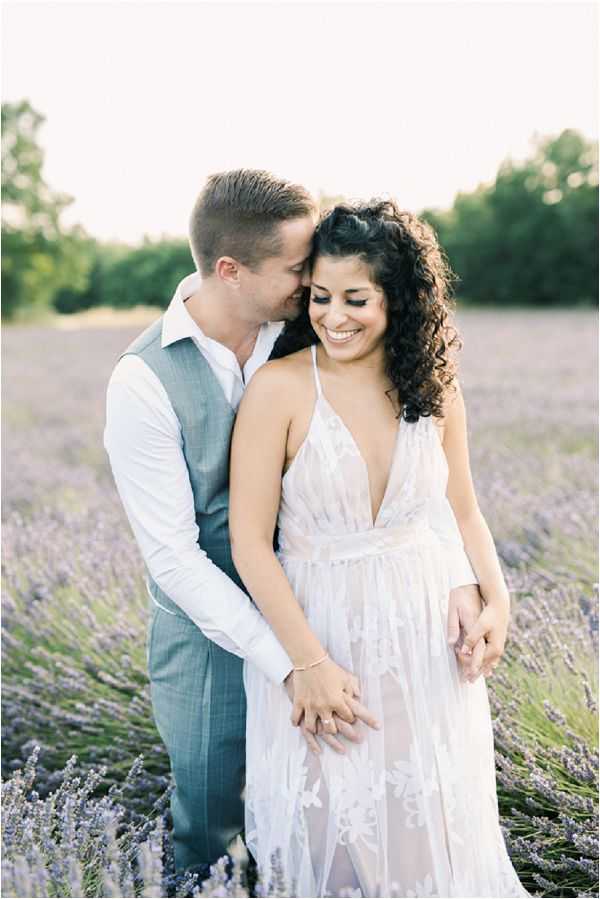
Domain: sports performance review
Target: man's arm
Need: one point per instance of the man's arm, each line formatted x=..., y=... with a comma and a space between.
x=143, y=440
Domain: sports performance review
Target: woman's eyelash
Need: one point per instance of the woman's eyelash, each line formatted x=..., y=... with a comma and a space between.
x=323, y=300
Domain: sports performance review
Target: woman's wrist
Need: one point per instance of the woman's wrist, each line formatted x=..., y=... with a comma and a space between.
x=314, y=664
x=307, y=654
x=499, y=599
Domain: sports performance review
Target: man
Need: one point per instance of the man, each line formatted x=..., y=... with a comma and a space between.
x=171, y=405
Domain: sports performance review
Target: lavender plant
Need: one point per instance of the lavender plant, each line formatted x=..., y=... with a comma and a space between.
x=73, y=844
x=75, y=612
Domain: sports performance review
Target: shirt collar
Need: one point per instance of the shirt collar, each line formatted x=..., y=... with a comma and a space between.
x=178, y=323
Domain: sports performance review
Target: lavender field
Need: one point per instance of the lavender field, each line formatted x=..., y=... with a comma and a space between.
x=75, y=611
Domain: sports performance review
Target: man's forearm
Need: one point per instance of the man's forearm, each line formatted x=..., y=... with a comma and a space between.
x=223, y=612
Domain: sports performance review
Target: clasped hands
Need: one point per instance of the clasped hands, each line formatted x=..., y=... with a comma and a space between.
x=326, y=699
x=325, y=702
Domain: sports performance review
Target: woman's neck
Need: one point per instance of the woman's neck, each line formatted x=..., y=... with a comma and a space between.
x=370, y=368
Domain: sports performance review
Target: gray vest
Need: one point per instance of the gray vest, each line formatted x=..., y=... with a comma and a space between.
x=206, y=420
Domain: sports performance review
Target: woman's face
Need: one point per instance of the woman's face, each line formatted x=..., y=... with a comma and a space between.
x=347, y=310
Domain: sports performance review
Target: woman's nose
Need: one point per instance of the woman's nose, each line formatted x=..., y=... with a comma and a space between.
x=334, y=317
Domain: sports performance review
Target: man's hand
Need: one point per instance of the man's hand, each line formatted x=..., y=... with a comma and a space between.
x=477, y=635
x=463, y=612
x=350, y=732
x=491, y=627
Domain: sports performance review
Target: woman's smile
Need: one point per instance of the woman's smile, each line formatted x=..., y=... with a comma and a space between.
x=340, y=336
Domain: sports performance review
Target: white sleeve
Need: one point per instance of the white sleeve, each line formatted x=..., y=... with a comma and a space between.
x=143, y=440
x=443, y=522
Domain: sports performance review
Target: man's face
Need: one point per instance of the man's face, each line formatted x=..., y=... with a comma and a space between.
x=273, y=292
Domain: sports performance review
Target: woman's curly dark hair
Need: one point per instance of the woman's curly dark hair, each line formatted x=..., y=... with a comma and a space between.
x=407, y=262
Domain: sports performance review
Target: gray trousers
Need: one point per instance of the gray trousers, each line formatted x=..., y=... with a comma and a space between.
x=199, y=708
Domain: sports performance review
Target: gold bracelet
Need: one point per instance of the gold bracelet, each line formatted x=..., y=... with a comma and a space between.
x=312, y=664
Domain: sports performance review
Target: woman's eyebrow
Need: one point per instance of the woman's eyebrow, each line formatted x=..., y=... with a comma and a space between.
x=349, y=290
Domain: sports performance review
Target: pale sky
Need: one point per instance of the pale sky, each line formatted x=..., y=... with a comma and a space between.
x=417, y=101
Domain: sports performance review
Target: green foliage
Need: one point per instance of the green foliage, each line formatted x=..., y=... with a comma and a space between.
x=38, y=256
x=122, y=277
x=103, y=257
x=532, y=236
x=145, y=276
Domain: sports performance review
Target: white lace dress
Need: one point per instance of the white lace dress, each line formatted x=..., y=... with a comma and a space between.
x=412, y=810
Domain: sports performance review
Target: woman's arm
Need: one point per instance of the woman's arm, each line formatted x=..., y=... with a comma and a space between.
x=257, y=460
x=478, y=541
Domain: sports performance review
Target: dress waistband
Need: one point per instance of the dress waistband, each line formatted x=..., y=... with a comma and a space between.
x=374, y=542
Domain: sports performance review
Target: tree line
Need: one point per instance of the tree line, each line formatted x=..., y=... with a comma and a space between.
x=528, y=238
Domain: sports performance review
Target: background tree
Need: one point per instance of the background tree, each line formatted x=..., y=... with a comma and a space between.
x=147, y=275
x=38, y=256
x=121, y=276
x=531, y=237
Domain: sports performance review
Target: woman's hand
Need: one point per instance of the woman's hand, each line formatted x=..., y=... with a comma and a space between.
x=321, y=691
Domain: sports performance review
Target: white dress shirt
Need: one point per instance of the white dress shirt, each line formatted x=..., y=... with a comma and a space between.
x=143, y=440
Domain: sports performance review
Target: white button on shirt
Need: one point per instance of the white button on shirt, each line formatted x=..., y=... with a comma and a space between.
x=143, y=440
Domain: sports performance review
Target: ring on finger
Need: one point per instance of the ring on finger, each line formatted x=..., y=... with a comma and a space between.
x=326, y=720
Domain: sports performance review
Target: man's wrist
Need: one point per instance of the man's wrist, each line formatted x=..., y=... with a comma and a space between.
x=464, y=584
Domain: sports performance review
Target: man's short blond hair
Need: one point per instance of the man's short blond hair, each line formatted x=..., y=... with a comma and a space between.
x=237, y=214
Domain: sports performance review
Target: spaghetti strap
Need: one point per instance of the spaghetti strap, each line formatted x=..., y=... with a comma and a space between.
x=313, y=349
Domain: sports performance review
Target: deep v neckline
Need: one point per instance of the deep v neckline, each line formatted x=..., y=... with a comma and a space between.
x=374, y=518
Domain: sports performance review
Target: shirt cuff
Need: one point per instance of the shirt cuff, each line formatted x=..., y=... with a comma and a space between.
x=268, y=655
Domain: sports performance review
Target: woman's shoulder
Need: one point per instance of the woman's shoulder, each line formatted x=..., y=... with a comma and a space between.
x=287, y=369
x=451, y=401
x=284, y=375
x=451, y=395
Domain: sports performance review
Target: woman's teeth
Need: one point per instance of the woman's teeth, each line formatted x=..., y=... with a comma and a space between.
x=340, y=336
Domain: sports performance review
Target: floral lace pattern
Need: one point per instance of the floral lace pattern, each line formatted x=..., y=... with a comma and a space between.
x=411, y=810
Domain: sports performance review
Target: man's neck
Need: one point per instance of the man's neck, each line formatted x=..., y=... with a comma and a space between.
x=218, y=318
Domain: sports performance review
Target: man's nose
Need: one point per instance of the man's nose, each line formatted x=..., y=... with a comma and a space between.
x=305, y=279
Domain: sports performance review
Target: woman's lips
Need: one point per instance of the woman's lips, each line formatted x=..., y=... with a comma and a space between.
x=343, y=336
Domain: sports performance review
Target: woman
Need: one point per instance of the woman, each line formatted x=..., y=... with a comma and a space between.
x=367, y=426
